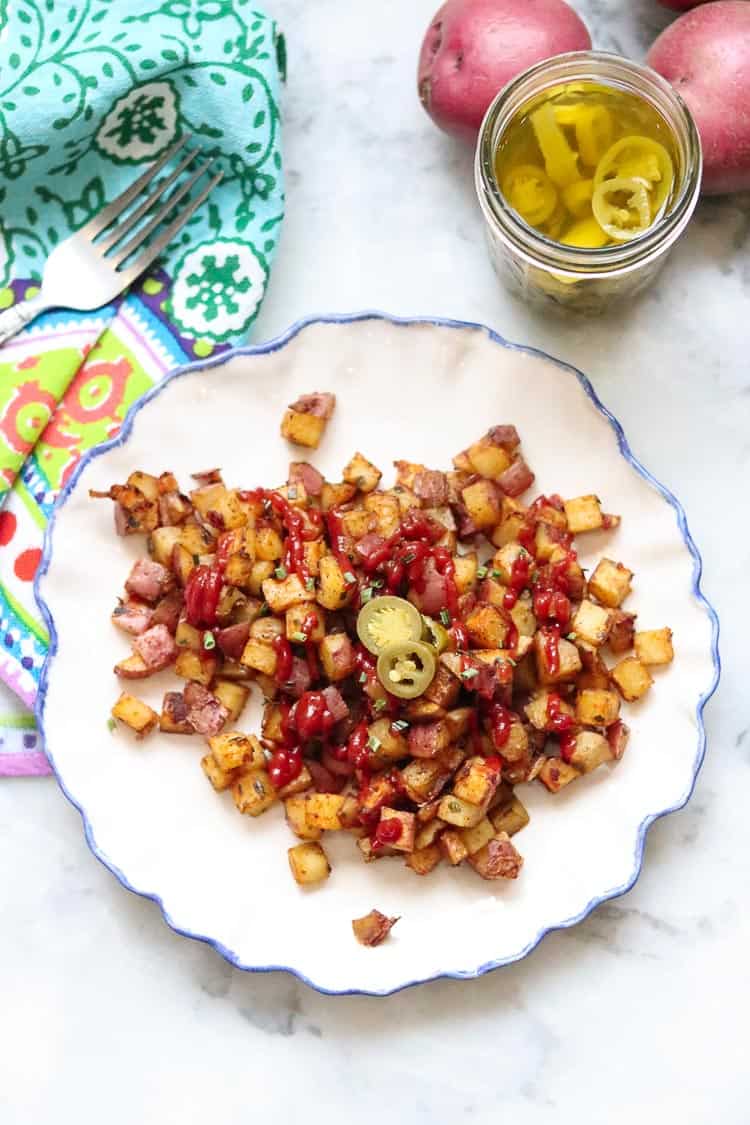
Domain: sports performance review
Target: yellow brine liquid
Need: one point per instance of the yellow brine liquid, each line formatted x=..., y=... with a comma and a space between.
x=588, y=165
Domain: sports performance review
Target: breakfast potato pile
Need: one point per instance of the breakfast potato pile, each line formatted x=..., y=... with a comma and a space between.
x=421, y=649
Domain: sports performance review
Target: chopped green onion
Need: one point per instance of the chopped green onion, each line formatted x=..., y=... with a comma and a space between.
x=264, y=610
x=481, y=572
x=281, y=572
x=469, y=673
x=291, y=492
x=495, y=573
x=350, y=578
x=309, y=583
x=572, y=636
x=378, y=583
x=409, y=557
x=300, y=638
x=373, y=743
x=362, y=678
x=445, y=618
x=209, y=640
x=400, y=725
x=112, y=725
x=367, y=594
x=379, y=704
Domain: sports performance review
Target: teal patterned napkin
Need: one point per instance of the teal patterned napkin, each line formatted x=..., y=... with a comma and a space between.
x=91, y=92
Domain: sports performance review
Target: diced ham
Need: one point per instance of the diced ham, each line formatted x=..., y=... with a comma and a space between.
x=369, y=545
x=122, y=523
x=516, y=478
x=299, y=679
x=233, y=639
x=425, y=740
x=175, y=710
x=432, y=487
x=323, y=780
x=206, y=714
x=168, y=610
x=208, y=476
x=336, y=703
x=319, y=403
x=334, y=766
x=132, y=617
x=156, y=647
x=302, y=472
x=466, y=526
x=507, y=436
x=433, y=593
x=148, y=580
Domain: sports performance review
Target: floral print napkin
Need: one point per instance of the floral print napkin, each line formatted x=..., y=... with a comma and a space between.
x=91, y=92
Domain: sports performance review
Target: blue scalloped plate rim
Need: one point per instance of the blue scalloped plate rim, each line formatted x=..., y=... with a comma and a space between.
x=274, y=345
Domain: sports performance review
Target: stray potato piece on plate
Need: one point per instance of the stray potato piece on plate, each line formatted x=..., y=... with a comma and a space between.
x=305, y=420
x=136, y=714
x=234, y=749
x=654, y=646
x=591, y=623
x=595, y=708
x=253, y=793
x=510, y=818
x=584, y=513
x=555, y=774
x=309, y=864
x=610, y=583
x=219, y=778
x=590, y=750
x=633, y=679
x=362, y=473
x=498, y=859
x=373, y=928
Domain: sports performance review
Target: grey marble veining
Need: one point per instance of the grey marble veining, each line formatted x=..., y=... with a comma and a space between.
x=636, y=1014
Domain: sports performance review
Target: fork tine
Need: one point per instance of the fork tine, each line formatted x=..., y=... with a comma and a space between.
x=104, y=218
x=119, y=231
x=144, y=260
x=121, y=254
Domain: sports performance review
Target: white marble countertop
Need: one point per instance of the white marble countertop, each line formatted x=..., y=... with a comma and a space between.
x=633, y=1015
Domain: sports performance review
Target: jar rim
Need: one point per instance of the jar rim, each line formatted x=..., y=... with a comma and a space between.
x=606, y=68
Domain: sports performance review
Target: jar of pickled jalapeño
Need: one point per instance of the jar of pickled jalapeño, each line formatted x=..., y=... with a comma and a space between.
x=588, y=170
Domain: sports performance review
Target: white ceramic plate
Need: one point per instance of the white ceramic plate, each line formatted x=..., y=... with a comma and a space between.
x=420, y=390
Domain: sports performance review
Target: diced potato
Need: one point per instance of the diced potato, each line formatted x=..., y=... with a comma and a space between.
x=462, y=463
x=654, y=646
x=335, y=591
x=517, y=746
x=505, y=560
x=235, y=749
x=337, y=656
x=538, y=710
x=378, y=792
x=591, y=750
x=302, y=428
x=196, y=539
x=465, y=567
x=388, y=745
x=387, y=511
x=296, y=815
x=488, y=459
x=308, y=862
x=282, y=594
x=458, y=722
x=476, y=782
x=161, y=544
x=349, y=814
x=510, y=818
x=621, y=631
x=546, y=541
x=513, y=516
x=591, y=623
x=271, y=723
x=428, y=812
x=371, y=853
x=187, y=636
x=452, y=847
x=571, y=570
x=323, y=811
x=239, y=570
x=476, y=837
x=194, y=666
x=296, y=621
x=136, y=714
x=632, y=678
x=267, y=684
x=269, y=546
x=424, y=860
x=314, y=550
x=584, y=514
x=462, y=814
x=498, y=859
x=259, y=656
x=595, y=708
x=428, y=833
x=266, y=629
x=523, y=617
x=555, y=774
x=617, y=737
x=595, y=675
x=358, y=522
x=610, y=583
x=525, y=677
x=219, y=778
x=373, y=928
x=362, y=473
x=132, y=668
x=261, y=570
x=445, y=687
x=482, y=503
x=173, y=718
x=332, y=495
x=487, y=627
x=253, y=792
x=234, y=696
x=405, y=498
x=145, y=483
x=408, y=822
x=423, y=710
x=568, y=660
x=183, y=563
x=423, y=779
x=299, y=784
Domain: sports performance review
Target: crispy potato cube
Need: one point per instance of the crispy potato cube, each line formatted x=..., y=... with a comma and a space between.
x=462, y=814
x=504, y=561
x=349, y=814
x=513, y=516
x=234, y=696
x=510, y=818
x=591, y=623
x=282, y=594
x=488, y=459
x=423, y=710
x=194, y=666
x=428, y=833
x=427, y=740
x=568, y=663
x=487, y=627
x=132, y=668
x=234, y=749
x=266, y=630
x=458, y=722
x=378, y=792
x=632, y=678
x=296, y=815
x=136, y=714
x=424, y=860
x=371, y=853
x=591, y=750
x=584, y=514
x=308, y=862
x=239, y=570
x=546, y=541
x=314, y=550
x=387, y=511
x=362, y=474
x=269, y=546
x=428, y=812
x=610, y=583
x=271, y=723
x=621, y=631
x=423, y=779
x=259, y=656
x=482, y=503
x=596, y=708
x=183, y=563
x=253, y=792
x=452, y=847
x=388, y=745
x=492, y=592
x=219, y=778
x=335, y=591
x=145, y=483
x=337, y=656
x=654, y=646
x=617, y=737
x=498, y=859
x=538, y=710
x=262, y=570
x=476, y=782
x=476, y=837
x=555, y=774
x=595, y=675
x=187, y=636
x=408, y=822
x=445, y=687
x=196, y=539
x=173, y=718
x=302, y=428
x=358, y=522
x=517, y=746
x=332, y=495
x=298, y=617
x=465, y=567
x=523, y=617
x=323, y=811
x=373, y=928
x=161, y=544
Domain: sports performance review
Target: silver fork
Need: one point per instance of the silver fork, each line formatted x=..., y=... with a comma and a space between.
x=87, y=271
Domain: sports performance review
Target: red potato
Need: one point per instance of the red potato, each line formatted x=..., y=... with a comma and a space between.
x=705, y=54
x=472, y=48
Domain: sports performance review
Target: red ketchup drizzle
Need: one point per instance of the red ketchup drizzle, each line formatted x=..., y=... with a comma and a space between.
x=202, y=592
x=388, y=832
x=519, y=579
x=357, y=750
x=501, y=720
x=338, y=540
x=459, y=637
x=283, y=650
x=551, y=643
x=567, y=746
x=551, y=601
x=310, y=622
x=284, y=766
x=557, y=720
x=312, y=716
x=295, y=524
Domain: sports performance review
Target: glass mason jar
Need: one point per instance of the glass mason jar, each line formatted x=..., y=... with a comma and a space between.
x=547, y=272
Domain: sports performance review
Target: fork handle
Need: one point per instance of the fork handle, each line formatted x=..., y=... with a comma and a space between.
x=17, y=316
